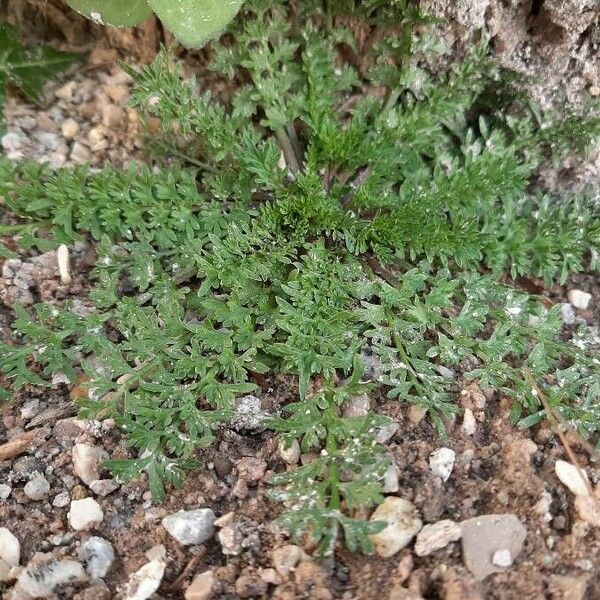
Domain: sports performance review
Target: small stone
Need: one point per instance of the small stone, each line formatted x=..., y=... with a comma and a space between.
x=384, y=433
x=483, y=536
x=10, y=547
x=441, y=463
x=403, y=523
x=39, y=580
x=191, y=527
x=145, y=581
x=574, y=478
x=250, y=586
x=502, y=558
x=118, y=93
x=5, y=491
x=579, y=299
x=231, y=538
x=469, y=424
x=391, y=482
x=66, y=91
x=436, y=536
x=84, y=514
x=568, y=587
x=291, y=454
x=202, y=587
x=358, y=406
x=30, y=408
x=416, y=413
x=223, y=466
x=80, y=155
x=98, y=555
x=251, y=469
x=248, y=414
x=568, y=313
x=112, y=116
x=588, y=508
x=271, y=576
x=38, y=488
x=286, y=558
x=69, y=128
x=61, y=500
x=104, y=487
x=86, y=461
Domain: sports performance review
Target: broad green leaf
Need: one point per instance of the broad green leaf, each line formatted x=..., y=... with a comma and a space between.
x=193, y=22
x=28, y=68
x=118, y=13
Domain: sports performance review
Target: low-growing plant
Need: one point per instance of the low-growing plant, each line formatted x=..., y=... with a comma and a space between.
x=352, y=219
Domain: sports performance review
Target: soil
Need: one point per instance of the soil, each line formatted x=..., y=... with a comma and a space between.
x=498, y=469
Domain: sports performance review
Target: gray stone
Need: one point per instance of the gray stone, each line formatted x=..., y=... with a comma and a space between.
x=568, y=313
x=5, y=491
x=248, y=414
x=38, y=488
x=191, y=527
x=483, y=536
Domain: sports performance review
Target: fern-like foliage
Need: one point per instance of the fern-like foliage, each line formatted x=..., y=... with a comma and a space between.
x=342, y=203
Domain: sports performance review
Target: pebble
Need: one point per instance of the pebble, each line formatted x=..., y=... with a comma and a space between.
x=191, y=527
x=61, y=500
x=391, y=481
x=588, y=508
x=579, y=299
x=483, y=536
x=38, y=488
x=248, y=414
x=403, y=523
x=286, y=558
x=251, y=469
x=10, y=547
x=291, y=454
x=104, y=487
x=86, y=461
x=80, y=154
x=69, y=128
x=98, y=556
x=39, y=580
x=436, y=536
x=441, y=463
x=384, y=433
x=84, y=514
x=250, y=586
x=572, y=477
x=231, y=538
x=502, y=558
x=469, y=424
x=358, y=406
x=568, y=313
x=145, y=581
x=5, y=491
x=201, y=587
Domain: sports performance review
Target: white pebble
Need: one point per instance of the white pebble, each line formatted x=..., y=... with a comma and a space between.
x=84, y=514
x=469, y=424
x=574, y=478
x=10, y=548
x=191, y=527
x=579, y=299
x=502, y=558
x=441, y=463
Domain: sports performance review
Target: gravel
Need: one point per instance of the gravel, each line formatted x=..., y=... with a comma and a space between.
x=191, y=527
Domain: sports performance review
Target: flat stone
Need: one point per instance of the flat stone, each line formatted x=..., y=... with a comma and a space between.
x=436, y=536
x=191, y=527
x=483, y=536
x=403, y=523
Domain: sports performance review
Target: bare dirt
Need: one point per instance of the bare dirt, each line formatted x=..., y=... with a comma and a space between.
x=498, y=469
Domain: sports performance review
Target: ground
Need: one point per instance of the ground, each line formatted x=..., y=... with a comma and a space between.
x=497, y=470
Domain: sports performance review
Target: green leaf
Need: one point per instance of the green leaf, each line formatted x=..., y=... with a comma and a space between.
x=193, y=22
x=117, y=13
x=28, y=68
